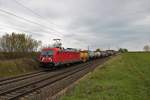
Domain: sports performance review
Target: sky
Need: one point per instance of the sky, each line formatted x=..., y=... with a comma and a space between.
x=105, y=24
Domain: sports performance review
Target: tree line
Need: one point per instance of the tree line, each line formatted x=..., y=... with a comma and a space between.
x=146, y=48
x=18, y=42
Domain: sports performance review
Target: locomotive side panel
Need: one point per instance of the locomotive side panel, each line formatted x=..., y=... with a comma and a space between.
x=65, y=57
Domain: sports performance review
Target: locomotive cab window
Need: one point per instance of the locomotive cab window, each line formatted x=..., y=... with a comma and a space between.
x=47, y=53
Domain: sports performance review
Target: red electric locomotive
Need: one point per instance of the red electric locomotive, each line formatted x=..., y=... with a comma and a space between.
x=56, y=55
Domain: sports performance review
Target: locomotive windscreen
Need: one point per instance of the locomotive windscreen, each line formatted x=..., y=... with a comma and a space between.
x=48, y=52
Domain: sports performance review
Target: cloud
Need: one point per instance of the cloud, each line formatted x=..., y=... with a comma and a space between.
x=79, y=23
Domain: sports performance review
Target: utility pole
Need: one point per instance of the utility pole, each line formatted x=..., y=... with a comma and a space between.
x=88, y=47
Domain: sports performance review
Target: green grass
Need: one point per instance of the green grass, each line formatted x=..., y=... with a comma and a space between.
x=17, y=66
x=124, y=77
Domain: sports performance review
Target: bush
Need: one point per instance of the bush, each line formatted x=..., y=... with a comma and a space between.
x=123, y=50
x=15, y=55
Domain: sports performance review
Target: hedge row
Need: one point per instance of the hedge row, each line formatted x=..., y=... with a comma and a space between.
x=15, y=55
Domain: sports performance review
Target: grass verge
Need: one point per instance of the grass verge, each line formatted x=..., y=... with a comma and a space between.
x=124, y=77
x=17, y=66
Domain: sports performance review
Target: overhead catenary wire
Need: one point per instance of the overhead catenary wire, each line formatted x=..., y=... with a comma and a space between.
x=30, y=21
x=35, y=13
x=21, y=29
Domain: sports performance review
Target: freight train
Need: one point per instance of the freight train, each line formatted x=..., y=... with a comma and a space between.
x=56, y=55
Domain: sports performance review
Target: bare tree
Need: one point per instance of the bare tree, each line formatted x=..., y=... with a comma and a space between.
x=18, y=43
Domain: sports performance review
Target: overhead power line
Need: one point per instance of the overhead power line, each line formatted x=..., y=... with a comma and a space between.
x=35, y=13
x=22, y=18
x=20, y=29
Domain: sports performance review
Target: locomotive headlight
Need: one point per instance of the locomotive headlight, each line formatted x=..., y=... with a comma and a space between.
x=43, y=59
x=50, y=59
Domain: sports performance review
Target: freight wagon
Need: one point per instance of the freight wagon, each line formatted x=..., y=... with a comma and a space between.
x=84, y=55
x=91, y=54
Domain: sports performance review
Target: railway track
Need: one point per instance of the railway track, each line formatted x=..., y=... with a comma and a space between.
x=43, y=84
x=18, y=76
